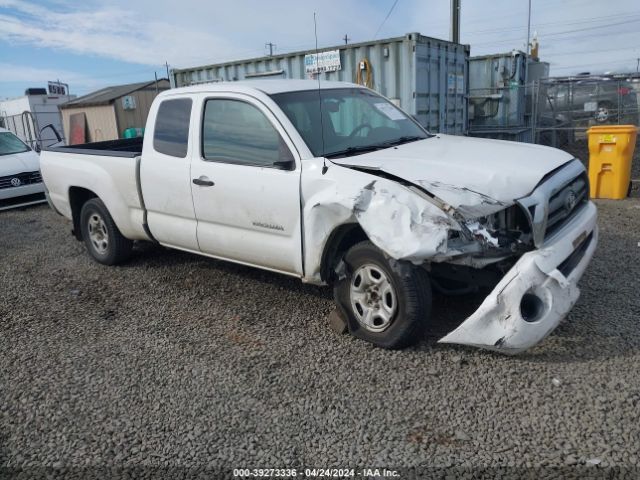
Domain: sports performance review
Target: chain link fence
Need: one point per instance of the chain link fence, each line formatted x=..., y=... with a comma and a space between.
x=32, y=127
x=567, y=108
x=557, y=111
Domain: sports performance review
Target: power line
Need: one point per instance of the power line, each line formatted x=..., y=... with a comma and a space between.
x=492, y=17
x=538, y=25
x=565, y=32
x=581, y=52
x=593, y=64
x=385, y=18
x=591, y=28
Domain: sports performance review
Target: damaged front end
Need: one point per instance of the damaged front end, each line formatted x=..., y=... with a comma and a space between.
x=541, y=287
x=535, y=294
x=532, y=250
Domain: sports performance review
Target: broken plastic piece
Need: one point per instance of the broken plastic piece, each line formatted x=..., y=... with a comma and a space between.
x=532, y=298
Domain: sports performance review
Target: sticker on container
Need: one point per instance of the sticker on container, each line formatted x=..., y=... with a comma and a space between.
x=322, y=62
x=451, y=83
x=460, y=84
x=590, y=106
x=607, y=138
x=391, y=112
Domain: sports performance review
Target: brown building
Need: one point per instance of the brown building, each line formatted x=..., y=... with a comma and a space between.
x=107, y=113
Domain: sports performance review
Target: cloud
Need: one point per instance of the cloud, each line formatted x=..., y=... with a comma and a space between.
x=109, y=32
x=183, y=33
x=34, y=76
x=193, y=32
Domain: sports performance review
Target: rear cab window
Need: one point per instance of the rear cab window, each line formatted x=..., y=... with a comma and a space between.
x=171, y=132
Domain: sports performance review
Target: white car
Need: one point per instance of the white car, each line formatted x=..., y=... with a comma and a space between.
x=20, y=179
x=337, y=186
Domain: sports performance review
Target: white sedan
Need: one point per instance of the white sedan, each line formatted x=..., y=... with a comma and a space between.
x=20, y=179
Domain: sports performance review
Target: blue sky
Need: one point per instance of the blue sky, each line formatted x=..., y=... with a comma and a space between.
x=90, y=44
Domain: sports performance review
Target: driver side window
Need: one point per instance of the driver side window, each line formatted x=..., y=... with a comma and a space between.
x=234, y=131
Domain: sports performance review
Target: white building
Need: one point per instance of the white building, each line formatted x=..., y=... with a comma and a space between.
x=27, y=116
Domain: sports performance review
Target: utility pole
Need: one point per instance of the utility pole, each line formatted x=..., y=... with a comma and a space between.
x=529, y=29
x=166, y=64
x=455, y=21
x=271, y=47
x=346, y=39
x=637, y=64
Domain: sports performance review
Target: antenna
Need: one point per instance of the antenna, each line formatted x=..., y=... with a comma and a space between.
x=324, y=160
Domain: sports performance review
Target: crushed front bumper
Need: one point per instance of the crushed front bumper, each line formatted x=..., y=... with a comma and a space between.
x=541, y=287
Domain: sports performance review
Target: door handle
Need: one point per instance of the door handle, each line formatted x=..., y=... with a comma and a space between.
x=203, y=182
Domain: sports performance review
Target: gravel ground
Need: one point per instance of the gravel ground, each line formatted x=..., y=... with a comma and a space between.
x=176, y=364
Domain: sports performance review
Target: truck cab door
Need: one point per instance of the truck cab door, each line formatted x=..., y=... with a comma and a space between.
x=165, y=176
x=246, y=185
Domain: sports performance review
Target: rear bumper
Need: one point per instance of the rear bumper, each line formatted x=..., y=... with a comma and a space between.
x=549, y=276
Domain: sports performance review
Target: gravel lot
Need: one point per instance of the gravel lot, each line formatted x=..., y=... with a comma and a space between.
x=177, y=361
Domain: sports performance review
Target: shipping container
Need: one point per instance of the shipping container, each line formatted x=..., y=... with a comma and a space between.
x=426, y=77
x=500, y=93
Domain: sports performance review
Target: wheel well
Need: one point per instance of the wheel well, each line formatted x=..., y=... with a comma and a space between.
x=78, y=196
x=340, y=240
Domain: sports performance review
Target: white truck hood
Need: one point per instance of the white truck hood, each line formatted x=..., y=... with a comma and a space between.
x=476, y=176
x=19, y=163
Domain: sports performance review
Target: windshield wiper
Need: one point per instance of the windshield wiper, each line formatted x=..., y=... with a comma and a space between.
x=401, y=140
x=347, y=152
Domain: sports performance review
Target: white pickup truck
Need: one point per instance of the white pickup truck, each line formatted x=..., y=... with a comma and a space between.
x=337, y=186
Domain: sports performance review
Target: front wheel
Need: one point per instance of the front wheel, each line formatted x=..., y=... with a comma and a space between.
x=101, y=236
x=604, y=113
x=386, y=302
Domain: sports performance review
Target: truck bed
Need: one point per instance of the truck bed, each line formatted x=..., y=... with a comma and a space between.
x=126, y=147
x=109, y=170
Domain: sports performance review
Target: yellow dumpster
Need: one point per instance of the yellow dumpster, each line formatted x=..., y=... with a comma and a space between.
x=610, y=154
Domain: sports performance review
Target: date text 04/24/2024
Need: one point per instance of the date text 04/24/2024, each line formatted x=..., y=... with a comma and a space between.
x=314, y=473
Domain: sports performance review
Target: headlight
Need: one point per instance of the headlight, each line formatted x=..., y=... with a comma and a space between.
x=508, y=228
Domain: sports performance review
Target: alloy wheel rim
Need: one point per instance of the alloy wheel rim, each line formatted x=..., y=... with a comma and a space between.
x=373, y=298
x=98, y=233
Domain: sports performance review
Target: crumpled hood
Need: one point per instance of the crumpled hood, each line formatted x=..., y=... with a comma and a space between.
x=476, y=176
x=19, y=163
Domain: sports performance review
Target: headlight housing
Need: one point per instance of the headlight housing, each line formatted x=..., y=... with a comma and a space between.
x=508, y=228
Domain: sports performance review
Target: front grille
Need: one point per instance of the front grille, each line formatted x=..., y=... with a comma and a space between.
x=566, y=202
x=20, y=179
x=556, y=200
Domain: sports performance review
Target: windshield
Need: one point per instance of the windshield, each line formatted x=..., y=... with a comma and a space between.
x=9, y=144
x=354, y=120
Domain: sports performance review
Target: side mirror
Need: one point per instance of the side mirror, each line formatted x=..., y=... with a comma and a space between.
x=285, y=161
x=285, y=164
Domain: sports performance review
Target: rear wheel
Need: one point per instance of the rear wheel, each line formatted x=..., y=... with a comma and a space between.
x=386, y=302
x=101, y=236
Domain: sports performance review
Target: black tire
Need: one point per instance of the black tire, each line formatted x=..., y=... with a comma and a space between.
x=412, y=292
x=114, y=248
